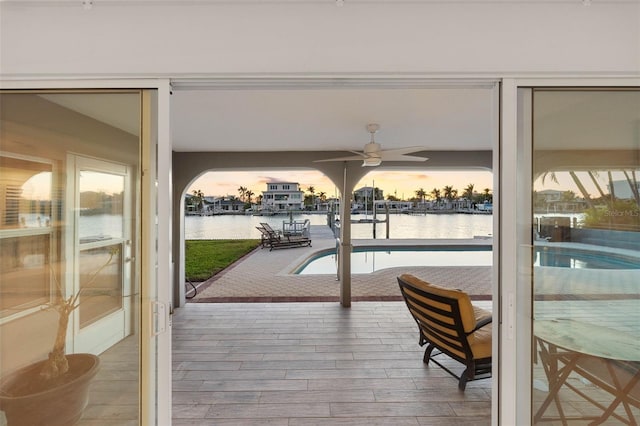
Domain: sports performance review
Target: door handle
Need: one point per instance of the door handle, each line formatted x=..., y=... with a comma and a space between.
x=158, y=318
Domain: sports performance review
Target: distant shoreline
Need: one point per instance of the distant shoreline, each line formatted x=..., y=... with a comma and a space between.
x=358, y=213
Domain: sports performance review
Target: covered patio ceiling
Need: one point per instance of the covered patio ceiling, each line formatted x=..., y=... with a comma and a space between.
x=320, y=115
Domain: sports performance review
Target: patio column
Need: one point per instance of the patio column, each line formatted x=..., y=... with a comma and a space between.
x=344, y=255
x=352, y=172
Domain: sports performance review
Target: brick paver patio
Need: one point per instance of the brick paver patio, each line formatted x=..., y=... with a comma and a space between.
x=265, y=276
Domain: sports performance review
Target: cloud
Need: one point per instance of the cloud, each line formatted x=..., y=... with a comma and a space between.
x=267, y=179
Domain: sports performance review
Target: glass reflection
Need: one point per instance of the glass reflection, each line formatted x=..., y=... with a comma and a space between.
x=100, y=283
x=101, y=206
x=69, y=286
x=586, y=257
x=26, y=188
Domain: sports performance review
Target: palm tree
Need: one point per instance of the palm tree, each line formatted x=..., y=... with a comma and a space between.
x=468, y=192
x=633, y=183
x=249, y=193
x=576, y=180
x=582, y=189
x=323, y=196
x=487, y=195
x=593, y=175
x=449, y=193
x=421, y=193
x=198, y=196
x=611, y=189
x=242, y=191
x=435, y=194
x=312, y=191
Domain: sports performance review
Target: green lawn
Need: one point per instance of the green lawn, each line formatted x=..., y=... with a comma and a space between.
x=205, y=258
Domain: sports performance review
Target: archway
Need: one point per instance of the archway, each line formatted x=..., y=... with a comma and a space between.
x=345, y=175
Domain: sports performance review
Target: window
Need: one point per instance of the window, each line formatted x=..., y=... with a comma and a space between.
x=25, y=232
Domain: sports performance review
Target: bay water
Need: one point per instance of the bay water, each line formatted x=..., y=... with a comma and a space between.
x=400, y=226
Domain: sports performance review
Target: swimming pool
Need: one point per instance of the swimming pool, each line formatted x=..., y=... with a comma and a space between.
x=365, y=260
x=585, y=259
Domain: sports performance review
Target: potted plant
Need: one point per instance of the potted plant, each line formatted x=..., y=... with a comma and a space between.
x=53, y=391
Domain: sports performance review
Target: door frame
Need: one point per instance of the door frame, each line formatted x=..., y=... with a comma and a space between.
x=508, y=293
x=116, y=325
x=513, y=235
x=155, y=252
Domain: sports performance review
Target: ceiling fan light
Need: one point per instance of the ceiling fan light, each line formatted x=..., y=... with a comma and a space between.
x=372, y=162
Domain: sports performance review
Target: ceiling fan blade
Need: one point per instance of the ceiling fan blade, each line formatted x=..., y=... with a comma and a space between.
x=401, y=157
x=405, y=150
x=360, y=156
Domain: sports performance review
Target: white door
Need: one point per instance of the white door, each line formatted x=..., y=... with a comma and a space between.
x=101, y=257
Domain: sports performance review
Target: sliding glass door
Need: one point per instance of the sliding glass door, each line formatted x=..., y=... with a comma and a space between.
x=584, y=263
x=71, y=314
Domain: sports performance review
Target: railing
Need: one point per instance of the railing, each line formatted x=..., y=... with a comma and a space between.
x=296, y=228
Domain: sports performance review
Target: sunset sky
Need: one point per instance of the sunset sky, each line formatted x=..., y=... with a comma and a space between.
x=402, y=184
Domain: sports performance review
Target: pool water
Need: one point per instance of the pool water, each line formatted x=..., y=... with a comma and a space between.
x=574, y=258
x=365, y=260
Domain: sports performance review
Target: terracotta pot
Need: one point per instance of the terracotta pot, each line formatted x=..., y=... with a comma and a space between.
x=61, y=404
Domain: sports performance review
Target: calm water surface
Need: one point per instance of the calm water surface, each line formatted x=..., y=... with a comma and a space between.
x=401, y=226
x=367, y=261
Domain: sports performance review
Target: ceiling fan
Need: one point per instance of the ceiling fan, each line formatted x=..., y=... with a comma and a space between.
x=373, y=154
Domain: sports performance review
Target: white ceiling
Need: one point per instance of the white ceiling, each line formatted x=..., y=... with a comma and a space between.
x=332, y=119
x=448, y=118
x=292, y=118
x=115, y=109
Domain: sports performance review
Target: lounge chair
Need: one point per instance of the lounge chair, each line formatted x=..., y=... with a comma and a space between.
x=274, y=240
x=448, y=322
x=270, y=229
x=268, y=235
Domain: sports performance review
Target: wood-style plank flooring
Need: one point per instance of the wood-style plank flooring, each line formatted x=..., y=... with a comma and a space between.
x=114, y=397
x=313, y=364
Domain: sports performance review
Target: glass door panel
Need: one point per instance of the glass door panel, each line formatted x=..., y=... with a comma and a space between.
x=102, y=253
x=69, y=235
x=101, y=282
x=586, y=256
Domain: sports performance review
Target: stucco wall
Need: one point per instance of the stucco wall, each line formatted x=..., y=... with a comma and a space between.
x=210, y=37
